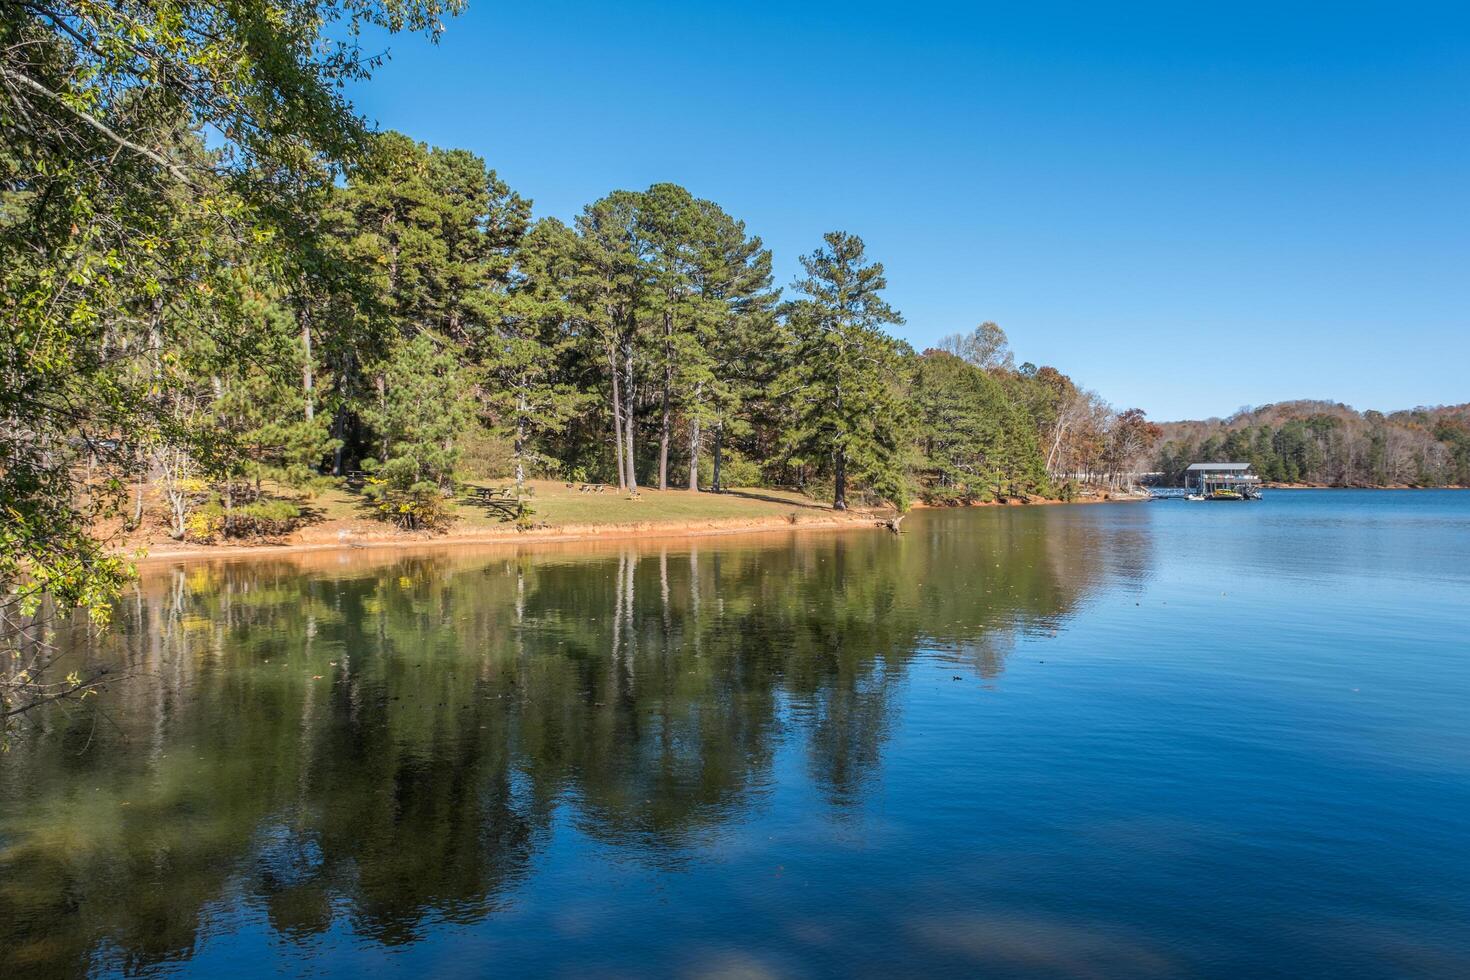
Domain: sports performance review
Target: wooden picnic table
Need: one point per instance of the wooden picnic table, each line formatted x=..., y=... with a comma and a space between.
x=499, y=500
x=507, y=509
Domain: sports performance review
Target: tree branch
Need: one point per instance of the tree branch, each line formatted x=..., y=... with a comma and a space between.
x=96, y=124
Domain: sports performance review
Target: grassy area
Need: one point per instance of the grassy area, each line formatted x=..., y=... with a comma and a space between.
x=555, y=504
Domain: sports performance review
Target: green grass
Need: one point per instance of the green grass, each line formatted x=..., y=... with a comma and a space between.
x=556, y=505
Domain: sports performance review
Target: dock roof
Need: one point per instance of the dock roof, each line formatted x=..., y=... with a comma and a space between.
x=1220, y=467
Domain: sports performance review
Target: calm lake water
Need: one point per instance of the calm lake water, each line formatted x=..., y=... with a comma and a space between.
x=1165, y=739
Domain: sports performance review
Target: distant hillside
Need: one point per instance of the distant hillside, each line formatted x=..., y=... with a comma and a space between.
x=1329, y=443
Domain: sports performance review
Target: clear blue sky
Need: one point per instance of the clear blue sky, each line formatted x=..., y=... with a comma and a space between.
x=1186, y=206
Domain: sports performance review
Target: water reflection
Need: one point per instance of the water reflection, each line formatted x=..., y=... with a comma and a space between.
x=378, y=741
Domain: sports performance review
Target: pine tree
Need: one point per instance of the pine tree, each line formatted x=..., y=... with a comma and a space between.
x=735, y=336
x=528, y=391
x=841, y=389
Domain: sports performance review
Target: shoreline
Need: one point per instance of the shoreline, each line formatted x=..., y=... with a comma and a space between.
x=1339, y=486
x=390, y=541
x=355, y=538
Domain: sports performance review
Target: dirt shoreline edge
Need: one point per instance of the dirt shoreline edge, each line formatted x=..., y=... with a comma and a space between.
x=350, y=540
x=562, y=535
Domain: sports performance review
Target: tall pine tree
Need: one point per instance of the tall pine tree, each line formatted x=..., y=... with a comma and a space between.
x=846, y=410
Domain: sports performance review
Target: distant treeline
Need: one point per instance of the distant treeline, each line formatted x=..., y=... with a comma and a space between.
x=1328, y=443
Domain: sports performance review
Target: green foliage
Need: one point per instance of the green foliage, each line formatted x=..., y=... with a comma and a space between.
x=847, y=412
x=1319, y=442
x=738, y=471
x=485, y=454
x=296, y=297
x=131, y=255
x=423, y=406
x=420, y=506
x=975, y=442
x=260, y=518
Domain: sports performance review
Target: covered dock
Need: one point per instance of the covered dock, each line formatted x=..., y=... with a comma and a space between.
x=1222, y=481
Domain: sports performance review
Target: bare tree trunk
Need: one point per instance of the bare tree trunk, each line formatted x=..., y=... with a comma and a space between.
x=694, y=455
x=1056, y=444
x=142, y=480
x=628, y=418
x=839, y=480
x=339, y=433
x=666, y=421
x=520, y=445
x=381, y=382
x=715, y=484
x=663, y=441
x=617, y=416
x=839, y=475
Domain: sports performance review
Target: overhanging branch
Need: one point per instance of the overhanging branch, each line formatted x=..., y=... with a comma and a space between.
x=95, y=123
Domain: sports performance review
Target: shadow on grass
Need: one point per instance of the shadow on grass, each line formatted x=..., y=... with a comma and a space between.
x=771, y=499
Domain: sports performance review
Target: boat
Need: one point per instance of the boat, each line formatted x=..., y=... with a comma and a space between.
x=1221, y=481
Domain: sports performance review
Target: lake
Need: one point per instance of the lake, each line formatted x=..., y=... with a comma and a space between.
x=1121, y=740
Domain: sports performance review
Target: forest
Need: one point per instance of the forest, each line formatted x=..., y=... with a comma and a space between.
x=1329, y=444
x=220, y=283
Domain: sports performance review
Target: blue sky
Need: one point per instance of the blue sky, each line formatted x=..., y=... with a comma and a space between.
x=1189, y=207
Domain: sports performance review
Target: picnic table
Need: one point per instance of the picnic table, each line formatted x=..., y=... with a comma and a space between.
x=507, y=509
x=499, y=500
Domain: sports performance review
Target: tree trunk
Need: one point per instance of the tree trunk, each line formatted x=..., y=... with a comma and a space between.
x=839, y=467
x=715, y=484
x=1055, y=446
x=666, y=421
x=381, y=384
x=665, y=426
x=520, y=445
x=138, y=499
x=617, y=417
x=694, y=455
x=339, y=434
x=308, y=382
x=663, y=440
x=628, y=418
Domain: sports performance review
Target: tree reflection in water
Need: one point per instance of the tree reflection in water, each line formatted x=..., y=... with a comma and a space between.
x=376, y=741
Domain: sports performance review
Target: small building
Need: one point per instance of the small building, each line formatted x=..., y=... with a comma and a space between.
x=1228, y=480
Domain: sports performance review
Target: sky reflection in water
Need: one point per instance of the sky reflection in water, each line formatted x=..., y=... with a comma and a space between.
x=1124, y=740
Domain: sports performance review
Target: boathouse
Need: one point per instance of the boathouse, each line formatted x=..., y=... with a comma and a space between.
x=1207, y=478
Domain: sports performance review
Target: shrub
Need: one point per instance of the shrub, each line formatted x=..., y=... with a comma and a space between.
x=420, y=507
x=205, y=522
x=261, y=518
x=735, y=470
x=264, y=518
